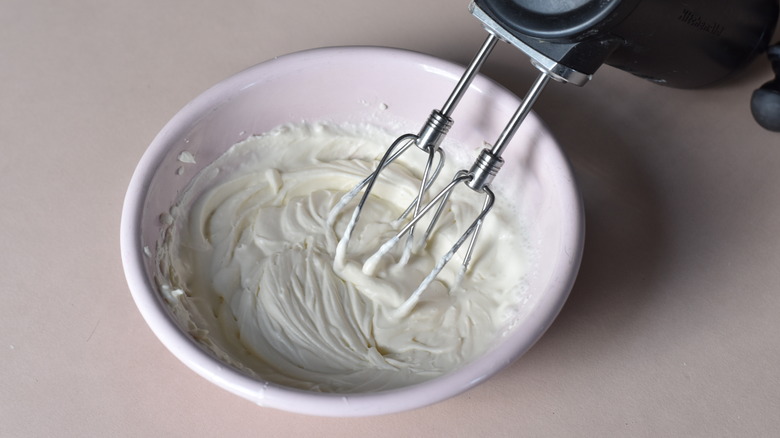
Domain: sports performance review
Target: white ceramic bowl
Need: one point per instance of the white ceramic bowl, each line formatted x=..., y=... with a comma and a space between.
x=347, y=85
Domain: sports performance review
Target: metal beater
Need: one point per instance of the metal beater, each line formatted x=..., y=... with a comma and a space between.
x=685, y=43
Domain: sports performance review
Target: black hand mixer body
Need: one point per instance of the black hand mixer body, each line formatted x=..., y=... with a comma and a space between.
x=679, y=43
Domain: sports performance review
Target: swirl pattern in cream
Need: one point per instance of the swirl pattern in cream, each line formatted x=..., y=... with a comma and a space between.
x=251, y=249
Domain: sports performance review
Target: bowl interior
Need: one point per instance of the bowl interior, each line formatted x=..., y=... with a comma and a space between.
x=390, y=88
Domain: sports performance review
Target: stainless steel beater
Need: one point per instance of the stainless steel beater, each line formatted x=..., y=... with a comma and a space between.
x=429, y=141
x=678, y=43
x=477, y=178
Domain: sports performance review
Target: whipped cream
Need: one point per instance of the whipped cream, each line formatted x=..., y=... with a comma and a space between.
x=248, y=265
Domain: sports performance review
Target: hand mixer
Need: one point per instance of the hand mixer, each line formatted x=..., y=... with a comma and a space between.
x=678, y=43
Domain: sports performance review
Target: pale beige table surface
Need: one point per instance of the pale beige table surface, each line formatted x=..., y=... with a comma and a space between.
x=672, y=329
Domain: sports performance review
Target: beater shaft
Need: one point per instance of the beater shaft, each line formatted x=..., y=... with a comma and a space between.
x=469, y=74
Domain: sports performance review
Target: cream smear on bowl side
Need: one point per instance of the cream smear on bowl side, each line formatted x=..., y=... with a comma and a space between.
x=247, y=266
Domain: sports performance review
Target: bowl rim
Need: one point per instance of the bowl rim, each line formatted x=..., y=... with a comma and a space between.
x=269, y=394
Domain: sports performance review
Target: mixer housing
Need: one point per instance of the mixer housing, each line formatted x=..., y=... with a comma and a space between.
x=679, y=43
